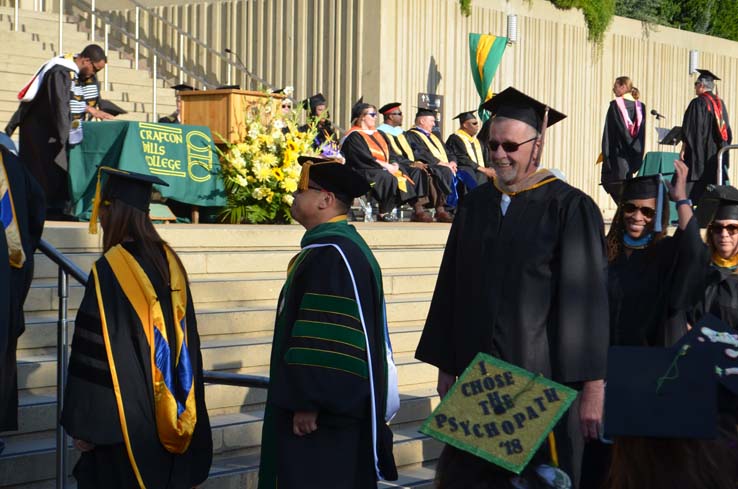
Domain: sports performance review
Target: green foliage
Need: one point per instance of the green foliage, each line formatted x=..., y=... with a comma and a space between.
x=597, y=14
x=465, y=6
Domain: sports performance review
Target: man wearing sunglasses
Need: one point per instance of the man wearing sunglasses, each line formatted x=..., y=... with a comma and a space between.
x=523, y=274
x=471, y=157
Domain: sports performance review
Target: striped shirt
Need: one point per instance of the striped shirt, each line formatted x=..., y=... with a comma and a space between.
x=84, y=93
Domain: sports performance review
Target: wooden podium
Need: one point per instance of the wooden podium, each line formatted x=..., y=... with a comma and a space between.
x=224, y=111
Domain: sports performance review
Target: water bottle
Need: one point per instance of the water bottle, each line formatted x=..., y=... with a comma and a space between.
x=368, y=212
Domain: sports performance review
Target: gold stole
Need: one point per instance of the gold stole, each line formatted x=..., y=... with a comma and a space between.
x=434, y=145
x=473, y=147
x=9, y=220
x=175, y=429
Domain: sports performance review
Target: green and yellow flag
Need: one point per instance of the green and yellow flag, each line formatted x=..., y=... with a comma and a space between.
x=485, y=53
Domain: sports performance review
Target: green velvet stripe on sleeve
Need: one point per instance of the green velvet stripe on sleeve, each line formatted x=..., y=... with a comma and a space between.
x=327, y=359
x=331, y=304
x=329, y=332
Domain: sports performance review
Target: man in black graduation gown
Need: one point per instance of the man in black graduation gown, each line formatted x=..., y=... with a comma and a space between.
x=45, y=119
x=470, y=156
x=430, y=152
x=333, y=384
x=22, y=213
x=705, y=129
x=524, y=269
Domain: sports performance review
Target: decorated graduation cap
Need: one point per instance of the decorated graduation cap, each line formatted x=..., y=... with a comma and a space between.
x=390, y=107
x=183, y=87
x=465, y=116
x=707, y=75
x=423, y=111
x=719, y=202
x=514, y=104
x=133, y=189
x=111, y=108
x=720, y=340
x=660, y=393
x=332, y=175
x=358, y=107
x=646, y=187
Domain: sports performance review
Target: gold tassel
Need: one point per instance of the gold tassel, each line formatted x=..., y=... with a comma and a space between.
x=552, y=449
x=305, y=176
x=96, y=203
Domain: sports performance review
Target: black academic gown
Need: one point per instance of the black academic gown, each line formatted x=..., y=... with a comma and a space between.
x=466, y=162
x=316, y=303
x=421, y=178
x=649, y=290
x=90, y=408
x=443, y=177
x=527, y=287
x=622, y=153
x=703, y=140
x=384, y=185
x=29, y=206
x=720, y=297
x=326, y=133
x=44, y=132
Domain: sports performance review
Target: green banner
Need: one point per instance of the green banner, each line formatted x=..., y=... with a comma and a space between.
x=182, y=156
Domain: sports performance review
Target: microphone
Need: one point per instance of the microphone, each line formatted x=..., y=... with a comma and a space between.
x=658, y=116
x=238, y=58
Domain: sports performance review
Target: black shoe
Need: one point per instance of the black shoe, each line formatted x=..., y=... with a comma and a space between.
x=389, y=217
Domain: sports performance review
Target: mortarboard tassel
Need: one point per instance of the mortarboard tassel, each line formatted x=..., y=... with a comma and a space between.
x=657, y=227
x=305, y=176
x=96, y=204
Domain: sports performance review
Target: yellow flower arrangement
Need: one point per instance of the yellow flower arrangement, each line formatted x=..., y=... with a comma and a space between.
x=261, y=171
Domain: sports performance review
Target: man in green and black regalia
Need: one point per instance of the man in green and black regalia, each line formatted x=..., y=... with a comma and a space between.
x=333, y=384
x=22, y=209
x=135, y=400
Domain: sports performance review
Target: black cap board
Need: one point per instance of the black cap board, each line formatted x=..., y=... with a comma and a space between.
x=389, y=107
x=183, y=87
x=130, y=188
x=312, y=102
x=111, y=108
x=465, y=116
x=229, y=87
x=423, y=111
x=660, y=393
x=721, y=341
x=358, y=107
x=718, y=202
x=707, y=75
x=333, y=176
x=514, y=104
x=646, y=187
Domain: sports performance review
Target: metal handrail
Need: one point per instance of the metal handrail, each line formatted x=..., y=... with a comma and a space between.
x=68, y=268
x=238, y=65
x=720, y=154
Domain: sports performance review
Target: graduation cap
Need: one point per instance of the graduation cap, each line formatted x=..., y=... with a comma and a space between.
x=229, y=87
x=386, y=108
x=358, y=107
x=183, y=87
x=514, y=104
x=660, y=393
x=111, y=108
x=423, y=111
x=707, y=75
x=332, y=175
x=717, y=203
x=465, y=116
x=131, y=188
x=312, y=102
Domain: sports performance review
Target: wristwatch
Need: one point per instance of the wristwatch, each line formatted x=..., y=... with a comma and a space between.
x=684, y=202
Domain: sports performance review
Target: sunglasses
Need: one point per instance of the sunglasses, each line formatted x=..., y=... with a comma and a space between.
x=310, y=187
x=476, y=123
x=718, y=228
x=509, y=147
x=286, y=106
x=371, y=114
x=396, y=113
x=630, y=208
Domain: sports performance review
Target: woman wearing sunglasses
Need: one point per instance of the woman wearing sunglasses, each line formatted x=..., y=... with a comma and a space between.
x=719, y=211
x=652, y=278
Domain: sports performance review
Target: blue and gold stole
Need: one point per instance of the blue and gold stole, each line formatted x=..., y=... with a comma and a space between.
x=176, y=413
x=9, y=220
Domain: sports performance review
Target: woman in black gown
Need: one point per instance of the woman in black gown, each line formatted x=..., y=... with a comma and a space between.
x=652, y=279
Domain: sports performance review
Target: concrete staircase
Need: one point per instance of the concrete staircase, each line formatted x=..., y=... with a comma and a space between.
x=236, y=273
x=37, y=41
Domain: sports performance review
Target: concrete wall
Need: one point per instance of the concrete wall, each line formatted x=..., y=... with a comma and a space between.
x=390, y=50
